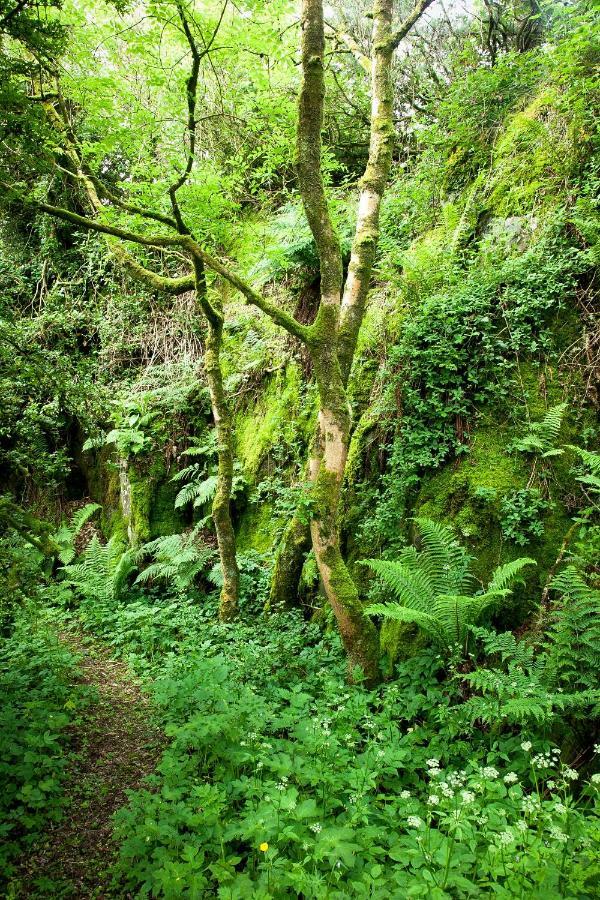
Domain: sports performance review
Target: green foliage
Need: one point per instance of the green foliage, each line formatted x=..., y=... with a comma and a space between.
x=102, y=571
x=270, y=746
x=39, y=701
x=573, y=639
x=542, y=436
x=591, y=463
x=178, y=559
x=66, y=534
x=201, y=476
x=515, y=688
x=522, y=515
x=431, y=586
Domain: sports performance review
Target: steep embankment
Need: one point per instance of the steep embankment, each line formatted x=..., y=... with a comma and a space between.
x=481, y=323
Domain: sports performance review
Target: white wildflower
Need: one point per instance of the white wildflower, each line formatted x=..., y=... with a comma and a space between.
x=433, y=800
x=405, y=795
x=414, y=822
x=526, y=746
x=316, y=827
x=511, y=778
x=489, y=772
x=467, y=796
x=558, y=835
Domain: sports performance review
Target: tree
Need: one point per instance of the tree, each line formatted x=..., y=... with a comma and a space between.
x=331, y=339
x=95, y=191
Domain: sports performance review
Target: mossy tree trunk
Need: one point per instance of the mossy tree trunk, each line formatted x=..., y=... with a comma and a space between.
x=221, y=506
x=330, y=450
x=295, y=541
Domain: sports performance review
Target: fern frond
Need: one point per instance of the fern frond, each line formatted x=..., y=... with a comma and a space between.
x=442, y=559
x=410, y=586
x=571, y=583
x=551, y=424
x=505, y=575
x=208, y=489
x=589, y=457
x=399, y=613
x=186, y=473
x=82, y=516
x=188, y=493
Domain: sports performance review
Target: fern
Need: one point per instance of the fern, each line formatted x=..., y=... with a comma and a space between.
x=198, y=492
x=591, y=461
x=66, y=534
x=573, y=644
x=102, y=572
x=430, y=586
x=562, y=679
x=506, y=574
x=543, y=435
x=178, y=559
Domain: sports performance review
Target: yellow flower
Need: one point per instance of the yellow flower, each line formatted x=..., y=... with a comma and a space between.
x=264, y=847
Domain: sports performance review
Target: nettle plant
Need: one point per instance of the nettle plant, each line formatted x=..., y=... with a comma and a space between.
x=434, y=587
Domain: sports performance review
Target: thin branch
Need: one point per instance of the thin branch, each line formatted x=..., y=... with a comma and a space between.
x=308, y=150
x=400, y=33
x=191, y=87
x=13, y=12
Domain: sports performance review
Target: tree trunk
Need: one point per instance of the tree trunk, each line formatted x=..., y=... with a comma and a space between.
x=295, y=541
x=221, y=506
x=288, y=565
x=328, y=464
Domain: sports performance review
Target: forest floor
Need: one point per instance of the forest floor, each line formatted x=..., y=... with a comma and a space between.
x=115, y=746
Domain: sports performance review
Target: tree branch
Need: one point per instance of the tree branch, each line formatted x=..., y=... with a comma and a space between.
x=400, y=33
x=308, y=149
x=191, y=87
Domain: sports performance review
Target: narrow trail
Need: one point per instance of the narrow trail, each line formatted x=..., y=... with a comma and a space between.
x=115, y=747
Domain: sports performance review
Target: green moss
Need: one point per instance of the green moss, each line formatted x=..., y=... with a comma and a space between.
x=280, y=413
x=536, y=154
x=399, y=640
x=258, y=528
x=467, y=495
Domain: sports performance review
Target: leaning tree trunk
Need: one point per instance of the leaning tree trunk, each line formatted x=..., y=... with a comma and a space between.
x=328, y=464
x=221, y=506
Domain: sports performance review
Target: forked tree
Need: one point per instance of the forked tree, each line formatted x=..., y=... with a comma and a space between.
x=94, y=193
x=331, y=339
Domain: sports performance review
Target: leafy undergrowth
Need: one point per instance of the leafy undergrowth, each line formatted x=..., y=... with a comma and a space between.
x=41, y=701
x=281, y=780
x=94, y=741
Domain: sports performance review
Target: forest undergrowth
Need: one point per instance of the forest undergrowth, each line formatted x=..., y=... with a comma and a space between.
x=300, y=478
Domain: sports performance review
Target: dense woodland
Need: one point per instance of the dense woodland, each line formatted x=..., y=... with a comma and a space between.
x=299, y=449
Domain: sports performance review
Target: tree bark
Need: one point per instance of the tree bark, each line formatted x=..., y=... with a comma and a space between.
x=328, y=457
x=295, y=541
x=221, y=506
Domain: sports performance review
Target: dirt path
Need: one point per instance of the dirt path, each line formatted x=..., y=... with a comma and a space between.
x=116, y=746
